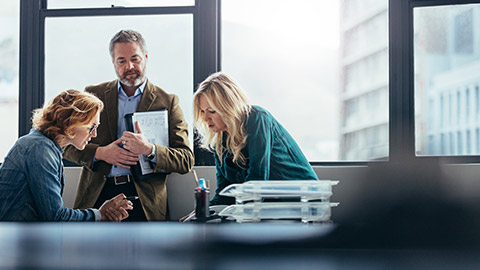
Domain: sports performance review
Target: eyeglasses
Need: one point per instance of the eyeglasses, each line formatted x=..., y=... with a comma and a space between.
x=93, y=128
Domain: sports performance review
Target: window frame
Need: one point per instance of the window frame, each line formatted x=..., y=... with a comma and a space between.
x=33, y=14
x=408, y=35
x=207, y=51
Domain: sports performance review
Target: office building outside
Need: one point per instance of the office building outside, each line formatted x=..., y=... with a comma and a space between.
x=364, y=81
x=447, y=80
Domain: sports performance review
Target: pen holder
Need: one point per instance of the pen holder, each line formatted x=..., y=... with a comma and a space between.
x=202, y=203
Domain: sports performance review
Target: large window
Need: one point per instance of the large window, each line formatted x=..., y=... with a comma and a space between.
x=8, y=75
x=344, y=77
x=53, y=4
x=447, y=79
x=320, y=67
x=76, y=53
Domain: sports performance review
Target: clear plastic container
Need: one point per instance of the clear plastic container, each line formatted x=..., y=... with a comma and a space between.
x=304, y=211
x=306, y=190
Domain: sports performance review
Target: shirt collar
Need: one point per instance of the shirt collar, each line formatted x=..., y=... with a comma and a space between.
x=139, y=90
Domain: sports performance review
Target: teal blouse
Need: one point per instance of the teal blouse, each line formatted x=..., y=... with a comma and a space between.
x=271, y=153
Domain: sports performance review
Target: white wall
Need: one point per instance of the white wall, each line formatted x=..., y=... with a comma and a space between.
x=462, y=181
x=180, y=189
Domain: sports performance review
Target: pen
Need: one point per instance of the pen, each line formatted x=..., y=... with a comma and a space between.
x=195, y=177
x=131, y=198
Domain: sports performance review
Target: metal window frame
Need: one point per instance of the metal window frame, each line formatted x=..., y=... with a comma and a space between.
x=402, y=82
x=207, y=59
x=402, y=86
x=32, y=49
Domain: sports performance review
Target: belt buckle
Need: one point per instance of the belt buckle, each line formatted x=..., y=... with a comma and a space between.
x=122, y=179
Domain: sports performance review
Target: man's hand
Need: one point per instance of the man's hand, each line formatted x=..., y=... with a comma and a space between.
x=116, y=155
x=116, y=208
x=136, y=143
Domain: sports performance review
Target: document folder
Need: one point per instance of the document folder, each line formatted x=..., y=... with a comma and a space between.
x=154, y=126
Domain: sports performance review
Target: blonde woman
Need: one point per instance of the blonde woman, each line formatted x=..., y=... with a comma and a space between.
x=31, y=176
x=247, y=141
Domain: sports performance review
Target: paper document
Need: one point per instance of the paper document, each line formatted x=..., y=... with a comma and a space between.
x=154, y=126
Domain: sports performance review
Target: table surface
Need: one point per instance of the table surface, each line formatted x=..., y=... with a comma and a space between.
x=203, y=246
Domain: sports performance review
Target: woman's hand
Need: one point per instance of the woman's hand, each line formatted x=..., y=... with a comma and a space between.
x=116, y=155
x=116, y=208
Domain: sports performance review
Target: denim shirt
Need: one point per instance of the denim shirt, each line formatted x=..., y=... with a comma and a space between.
x=32, y=181
x=271, y=154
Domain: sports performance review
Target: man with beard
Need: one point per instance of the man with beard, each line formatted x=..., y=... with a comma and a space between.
x=107, y=161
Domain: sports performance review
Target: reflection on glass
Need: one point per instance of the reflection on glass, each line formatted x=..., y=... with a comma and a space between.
x=320, y=67
x=57, y=4
x=447, y=79
x=9, y=43
x=76, y=53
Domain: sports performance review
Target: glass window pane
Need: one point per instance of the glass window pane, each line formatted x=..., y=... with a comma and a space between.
x=58, y=4
x=447, y=61
x=9, y=43
x=76, y=53
x=320, y=67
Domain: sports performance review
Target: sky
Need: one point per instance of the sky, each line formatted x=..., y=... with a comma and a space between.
x=103, y=3
x=328, y=12
x=309, y=71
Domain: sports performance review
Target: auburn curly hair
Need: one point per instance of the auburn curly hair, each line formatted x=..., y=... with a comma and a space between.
x=69, y=109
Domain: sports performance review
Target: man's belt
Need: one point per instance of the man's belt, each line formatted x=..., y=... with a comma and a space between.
x=120, y=179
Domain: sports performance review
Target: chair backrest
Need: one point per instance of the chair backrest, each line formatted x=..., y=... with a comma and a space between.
x=180, y=190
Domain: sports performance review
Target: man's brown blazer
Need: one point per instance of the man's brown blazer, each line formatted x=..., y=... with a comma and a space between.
x=178, y=157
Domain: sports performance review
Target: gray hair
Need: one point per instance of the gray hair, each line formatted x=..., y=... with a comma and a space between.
x=128, y=36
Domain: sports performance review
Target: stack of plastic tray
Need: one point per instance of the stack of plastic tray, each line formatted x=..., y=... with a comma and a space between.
x=311, y=200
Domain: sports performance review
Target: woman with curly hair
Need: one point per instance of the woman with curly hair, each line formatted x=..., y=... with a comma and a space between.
x=247, y=141
x=31, y=176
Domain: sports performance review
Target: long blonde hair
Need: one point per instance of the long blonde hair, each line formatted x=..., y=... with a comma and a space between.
x=228, y=99
x=69, y=109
